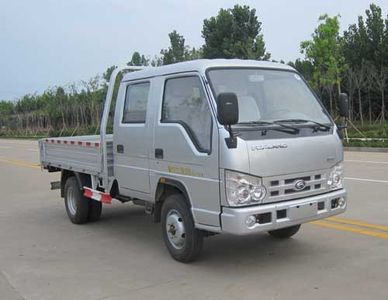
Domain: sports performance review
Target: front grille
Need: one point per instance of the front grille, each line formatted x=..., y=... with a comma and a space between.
x=292, y=180
x=290, y=191
x=281, y=188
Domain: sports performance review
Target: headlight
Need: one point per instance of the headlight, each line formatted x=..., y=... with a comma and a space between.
x=336, y=177
x=242, y=189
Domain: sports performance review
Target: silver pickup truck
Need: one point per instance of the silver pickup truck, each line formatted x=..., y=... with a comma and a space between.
x=207, y=147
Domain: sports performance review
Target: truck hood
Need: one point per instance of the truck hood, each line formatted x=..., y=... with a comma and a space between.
x=273, y=157
x=287, y=156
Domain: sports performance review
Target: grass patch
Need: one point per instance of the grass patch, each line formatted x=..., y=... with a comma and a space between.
x=369, y=131
x=372, y=143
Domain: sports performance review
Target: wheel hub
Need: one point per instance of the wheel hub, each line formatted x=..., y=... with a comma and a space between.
x=71, y=201
x=175, y=229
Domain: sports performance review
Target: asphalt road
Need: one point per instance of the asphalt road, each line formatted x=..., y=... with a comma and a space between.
x=44, y=256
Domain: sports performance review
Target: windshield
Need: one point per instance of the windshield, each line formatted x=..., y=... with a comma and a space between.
x=268, y=95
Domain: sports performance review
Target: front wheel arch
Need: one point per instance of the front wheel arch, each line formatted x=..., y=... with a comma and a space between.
x=165, y=188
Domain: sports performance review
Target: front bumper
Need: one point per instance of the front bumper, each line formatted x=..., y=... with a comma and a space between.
x=284, y=214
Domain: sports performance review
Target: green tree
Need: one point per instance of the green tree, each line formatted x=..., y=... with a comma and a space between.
x=355, y=44
x=61, y=98
x=6, y=110
x=194, y=53
x=138, y=60
x=304, y=67
x=354, y=49
x=365, y=49
x=377, y=32
x=234, y=33
x=106, y=75
x=177, y=51
x=324, y=52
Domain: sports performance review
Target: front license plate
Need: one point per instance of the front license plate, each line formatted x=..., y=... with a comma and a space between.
x=302, y=211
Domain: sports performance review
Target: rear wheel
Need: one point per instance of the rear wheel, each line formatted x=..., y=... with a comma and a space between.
x=77, y=206
x=183, y=240
x=285, y=233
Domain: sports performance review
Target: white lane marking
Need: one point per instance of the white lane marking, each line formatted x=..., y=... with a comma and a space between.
x=366, y=179
x=367, y=161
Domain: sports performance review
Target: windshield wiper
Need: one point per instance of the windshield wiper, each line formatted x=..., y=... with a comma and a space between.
x=258, y=123
x=320, y=126
x=284, y=128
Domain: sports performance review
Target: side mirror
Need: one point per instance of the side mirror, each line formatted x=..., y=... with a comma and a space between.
x=227, y=108
x=343, y=105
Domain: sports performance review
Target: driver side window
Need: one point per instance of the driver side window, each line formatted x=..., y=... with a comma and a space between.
x=185, y=103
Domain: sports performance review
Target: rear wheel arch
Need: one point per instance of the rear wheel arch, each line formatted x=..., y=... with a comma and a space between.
x=82, y=179
x=65, y=174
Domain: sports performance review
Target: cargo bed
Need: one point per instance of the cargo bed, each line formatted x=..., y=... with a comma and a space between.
x=78, y=153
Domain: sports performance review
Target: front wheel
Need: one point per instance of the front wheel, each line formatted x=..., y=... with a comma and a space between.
x=285, y=233
x=182, y=239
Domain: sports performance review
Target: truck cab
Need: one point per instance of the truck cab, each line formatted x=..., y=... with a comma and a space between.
x=223, y=146
x=284, y=169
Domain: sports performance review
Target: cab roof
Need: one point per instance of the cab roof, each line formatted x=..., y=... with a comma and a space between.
x=201, y=65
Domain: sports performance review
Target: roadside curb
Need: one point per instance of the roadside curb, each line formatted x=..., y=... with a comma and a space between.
x=366, y=149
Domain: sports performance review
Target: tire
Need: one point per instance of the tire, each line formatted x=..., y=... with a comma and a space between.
x=182, y=239
x=95, y=209
x=77, y=206
x=285, y=233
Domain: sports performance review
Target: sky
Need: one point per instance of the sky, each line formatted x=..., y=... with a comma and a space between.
x=47, y=43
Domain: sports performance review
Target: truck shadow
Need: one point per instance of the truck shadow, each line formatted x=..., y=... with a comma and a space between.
x=131, y=225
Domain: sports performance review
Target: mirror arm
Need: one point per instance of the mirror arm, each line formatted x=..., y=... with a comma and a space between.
x=344, y=125
x=341, y=128
x=231, y=141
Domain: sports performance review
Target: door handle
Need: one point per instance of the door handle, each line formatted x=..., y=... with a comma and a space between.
x=159, y=153
x=120, y=148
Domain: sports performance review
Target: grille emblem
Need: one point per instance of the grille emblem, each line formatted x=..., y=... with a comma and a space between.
x=300, y=184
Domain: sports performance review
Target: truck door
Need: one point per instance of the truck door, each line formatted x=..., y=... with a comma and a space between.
x=132, y=139
x=186, y=144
